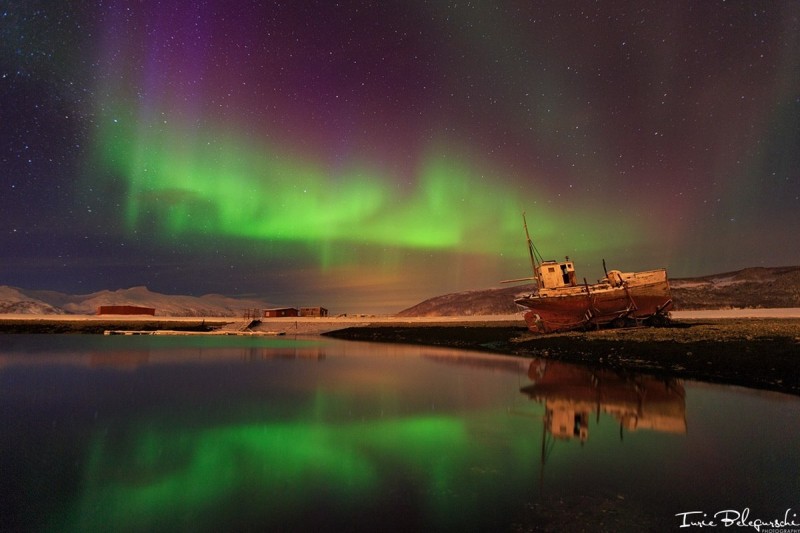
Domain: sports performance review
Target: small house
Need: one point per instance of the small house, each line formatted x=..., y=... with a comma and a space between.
x=125, y=310
x=313, y=311
x=278, y=312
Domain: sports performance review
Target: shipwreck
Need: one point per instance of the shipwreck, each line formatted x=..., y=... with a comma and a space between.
x=560, y=302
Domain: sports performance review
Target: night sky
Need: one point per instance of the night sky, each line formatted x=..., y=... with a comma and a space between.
x=364, y=156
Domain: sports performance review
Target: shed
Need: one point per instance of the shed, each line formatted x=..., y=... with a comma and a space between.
x=313, y=311
x=125, y=310
x=280, y=311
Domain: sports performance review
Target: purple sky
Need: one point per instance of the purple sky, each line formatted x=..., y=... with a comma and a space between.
x=365, y=156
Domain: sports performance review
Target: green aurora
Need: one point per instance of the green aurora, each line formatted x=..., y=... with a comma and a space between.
x=182, y=183
x=182, y=477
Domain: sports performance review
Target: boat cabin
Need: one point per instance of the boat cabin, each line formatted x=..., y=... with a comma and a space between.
x=554, y=274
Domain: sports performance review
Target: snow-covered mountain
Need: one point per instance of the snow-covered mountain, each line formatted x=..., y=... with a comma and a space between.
x=21, y=301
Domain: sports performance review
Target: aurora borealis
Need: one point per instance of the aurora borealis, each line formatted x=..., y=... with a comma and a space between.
x=365, y=156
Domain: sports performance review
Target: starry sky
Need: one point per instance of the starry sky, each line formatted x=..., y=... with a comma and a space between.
x=365, y=156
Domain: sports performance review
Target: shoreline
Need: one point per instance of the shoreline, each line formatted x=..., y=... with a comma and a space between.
x=28, y=323
x=756, y=348
x=760, y=353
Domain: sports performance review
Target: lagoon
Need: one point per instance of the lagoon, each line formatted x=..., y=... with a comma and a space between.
x=235, y=433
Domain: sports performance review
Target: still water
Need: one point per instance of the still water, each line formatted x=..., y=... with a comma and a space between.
x=227, y=433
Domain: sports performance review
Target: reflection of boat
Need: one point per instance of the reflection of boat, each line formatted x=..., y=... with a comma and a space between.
x=571, y=392
x=559, y=303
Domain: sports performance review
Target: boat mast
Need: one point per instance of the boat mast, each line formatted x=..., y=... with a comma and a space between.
x=532, y=252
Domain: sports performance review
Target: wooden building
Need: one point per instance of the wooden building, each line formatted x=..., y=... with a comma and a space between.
x=125, y=310
x=313, y=311
x=281, y=312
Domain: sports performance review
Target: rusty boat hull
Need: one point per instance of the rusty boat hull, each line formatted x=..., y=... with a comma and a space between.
x=620, y=300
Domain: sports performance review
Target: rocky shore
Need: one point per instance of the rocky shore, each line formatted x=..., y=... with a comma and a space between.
x=760, y=353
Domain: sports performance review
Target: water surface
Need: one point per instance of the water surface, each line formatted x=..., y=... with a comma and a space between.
x=228, y=433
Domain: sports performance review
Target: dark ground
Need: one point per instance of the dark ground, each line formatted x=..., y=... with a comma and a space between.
x=757, y=353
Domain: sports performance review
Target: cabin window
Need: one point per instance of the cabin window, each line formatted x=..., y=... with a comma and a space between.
x=551, y=269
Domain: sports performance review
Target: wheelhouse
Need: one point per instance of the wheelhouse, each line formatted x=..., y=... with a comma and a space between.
x=554, y=274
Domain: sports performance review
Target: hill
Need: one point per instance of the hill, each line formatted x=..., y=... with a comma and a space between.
x=758, y=287
x=21, y=301
x=498, y=301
